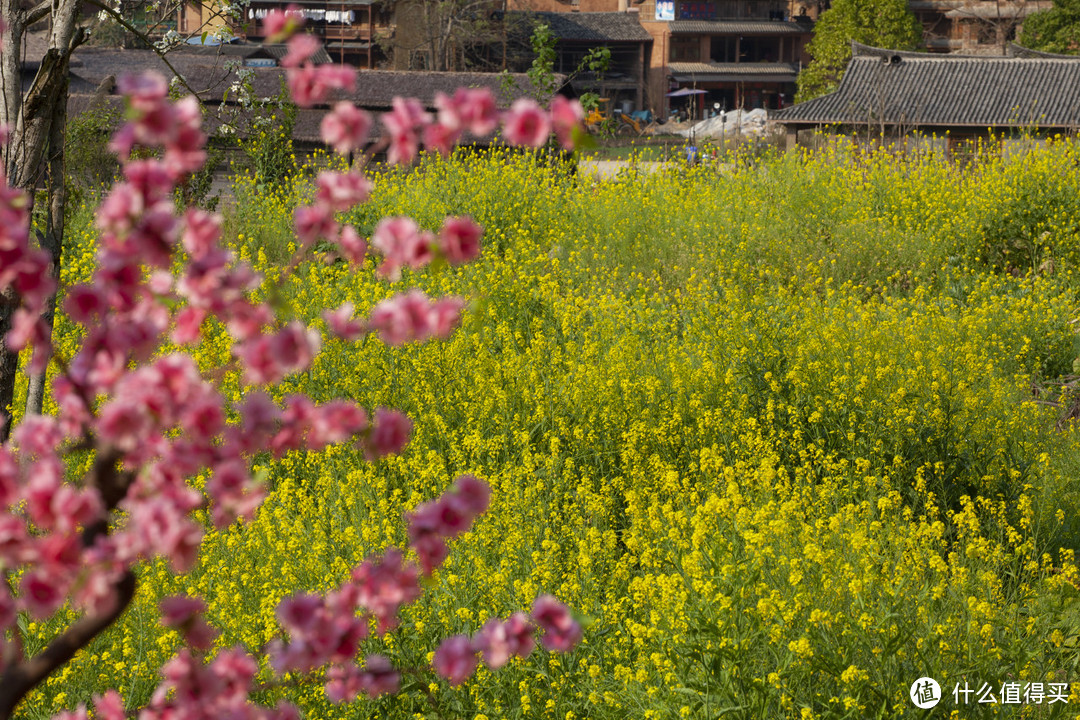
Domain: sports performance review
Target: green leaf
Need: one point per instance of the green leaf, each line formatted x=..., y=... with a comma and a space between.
x=687, y=691
x=582, y=139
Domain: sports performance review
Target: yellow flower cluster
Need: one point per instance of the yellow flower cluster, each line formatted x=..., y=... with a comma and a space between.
x=770, y=433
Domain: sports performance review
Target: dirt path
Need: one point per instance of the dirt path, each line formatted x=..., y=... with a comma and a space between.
x=608, y=169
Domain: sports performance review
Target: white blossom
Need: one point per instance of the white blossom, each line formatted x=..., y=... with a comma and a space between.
x=169, y=40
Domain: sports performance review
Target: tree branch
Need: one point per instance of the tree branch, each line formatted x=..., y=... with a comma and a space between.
x=37, y=12
x=112, y=484
x=19, y=680
x=160, y=53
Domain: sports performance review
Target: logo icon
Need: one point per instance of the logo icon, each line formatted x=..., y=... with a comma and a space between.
x=925, y=693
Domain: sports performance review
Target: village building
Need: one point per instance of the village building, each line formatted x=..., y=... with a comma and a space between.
x=890, y=93
x=208, y=72
x=731, y=53
x=624, y=81
x=726, y=54
x=973, y=27
x=350, y=30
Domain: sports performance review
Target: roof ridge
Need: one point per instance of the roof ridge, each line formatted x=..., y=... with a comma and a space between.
x=1019, y=51
x=1014, y=52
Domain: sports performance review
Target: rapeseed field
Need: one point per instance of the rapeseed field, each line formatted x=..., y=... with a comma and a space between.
x=788, y=434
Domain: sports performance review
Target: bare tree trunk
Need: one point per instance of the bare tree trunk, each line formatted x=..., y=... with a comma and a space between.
x=52, y=242
x=30, y=117
x=10, y=58
x=9, y=362
x=31, y=130
x=10, y=97
x=450, y=63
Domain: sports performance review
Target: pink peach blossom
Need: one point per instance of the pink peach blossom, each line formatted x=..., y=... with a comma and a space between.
x=455, y=659
x=499, y=641
x=474, y=493
x=301, y=47
x=561, y=631
x=342, y=191
x=526, y=124
x=459, y=240
x=43, y=591
x=186, y=615
x=384, y=584
x=404, y=123
x=345, y=128
x=109, y=706
x=441, y=138
x=351, y=246
x=402, y=244
x=280, y=25
x=313, y=223
x=566, y=116
x=310, y=84
x=389, y=433
x=341, y=322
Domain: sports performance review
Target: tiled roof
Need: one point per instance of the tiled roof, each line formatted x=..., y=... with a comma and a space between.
x=375, y=89
x=739, y=27
x=916, y=89
x=321, y=57
x=731, y=72
x=593, y=26
x=317, y=4
x=689, y=68
x=1015, y=50
x=306, y=127
x=995, y=11
x=246, y=50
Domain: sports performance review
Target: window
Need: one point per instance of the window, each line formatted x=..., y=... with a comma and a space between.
x=722, y=49
x=685, y=50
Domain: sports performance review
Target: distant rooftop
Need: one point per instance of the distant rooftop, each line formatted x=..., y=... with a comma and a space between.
x=210, y=76
x=919, y=89
x=591, y=26
x=739, y=27
x=240, y=49
x=689, y=72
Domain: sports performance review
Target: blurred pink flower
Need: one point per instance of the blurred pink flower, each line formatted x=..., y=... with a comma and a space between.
x=526, y=123
x=561, y=631
x=455, y=659
x=459, y=240
x=280, y=25
x=566, y=115
x=345, y=128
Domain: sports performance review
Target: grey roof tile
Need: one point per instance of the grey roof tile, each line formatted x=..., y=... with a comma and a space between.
x=375, y=89
x=731, y=72
x=882, y=86
x=739, y=27
x=240, y=49
x=593, y=26
x=746, y=68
